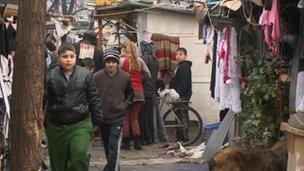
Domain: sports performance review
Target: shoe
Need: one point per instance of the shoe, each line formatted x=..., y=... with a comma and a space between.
x=137, y=143
x=186, y=140
x=126, y=144
x=163, y=140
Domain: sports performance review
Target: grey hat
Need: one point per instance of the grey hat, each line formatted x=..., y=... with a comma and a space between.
x=111, y=54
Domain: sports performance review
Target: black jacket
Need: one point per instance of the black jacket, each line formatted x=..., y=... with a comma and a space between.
x=182, y=81
x=116, y=94
x=152, y=64
x=149, y=82
x=97, y=57
x=68, y=102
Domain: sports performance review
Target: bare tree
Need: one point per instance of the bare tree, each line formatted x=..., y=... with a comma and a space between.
x=54, y=6
x=65, y=9
x=26, y=113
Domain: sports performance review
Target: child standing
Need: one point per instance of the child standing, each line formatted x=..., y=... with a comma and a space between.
x=182, y=83
x=116, y=96
x=70, y=95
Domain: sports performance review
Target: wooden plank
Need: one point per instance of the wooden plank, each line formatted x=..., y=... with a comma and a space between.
x=288, y=128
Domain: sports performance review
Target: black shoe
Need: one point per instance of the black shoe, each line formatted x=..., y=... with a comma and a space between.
x=185, y=140
x=137, y=143
x=126, y=144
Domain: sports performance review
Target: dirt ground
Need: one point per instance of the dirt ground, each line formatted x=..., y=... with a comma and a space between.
x=149, y=155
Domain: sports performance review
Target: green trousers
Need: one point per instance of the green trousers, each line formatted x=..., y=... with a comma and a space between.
x=68, y=145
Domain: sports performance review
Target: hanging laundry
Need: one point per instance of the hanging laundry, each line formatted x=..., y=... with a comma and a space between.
x=270, y=20
x=300, y=93
x=218, y=67
x=166, y=47
x=301, y=4
x=213, y=70
x=3, y=40
x=208, y=34
x=11, y=37
x=229, y=73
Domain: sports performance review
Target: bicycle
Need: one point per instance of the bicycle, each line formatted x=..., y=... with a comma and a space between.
x=173, y=123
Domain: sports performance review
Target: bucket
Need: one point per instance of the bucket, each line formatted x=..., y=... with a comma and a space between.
x=208, y=129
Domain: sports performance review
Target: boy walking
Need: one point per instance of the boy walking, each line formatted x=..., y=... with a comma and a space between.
x=116, y=96
x=70, y=95
x=182, y=83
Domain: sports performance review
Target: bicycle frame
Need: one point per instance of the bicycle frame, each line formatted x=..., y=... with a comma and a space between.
x=164, y=100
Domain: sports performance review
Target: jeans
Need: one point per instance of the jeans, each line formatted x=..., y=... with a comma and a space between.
x=161, y=131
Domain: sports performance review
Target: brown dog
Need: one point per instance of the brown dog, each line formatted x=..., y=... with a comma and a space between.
x=240, y=159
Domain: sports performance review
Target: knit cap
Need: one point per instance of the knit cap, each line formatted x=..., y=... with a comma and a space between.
x=111, y=54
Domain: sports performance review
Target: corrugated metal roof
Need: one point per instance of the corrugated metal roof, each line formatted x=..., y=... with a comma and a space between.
x=15, y=2
x=139, y=5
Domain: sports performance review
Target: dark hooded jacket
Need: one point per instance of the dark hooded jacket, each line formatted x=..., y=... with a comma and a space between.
x=182, y=81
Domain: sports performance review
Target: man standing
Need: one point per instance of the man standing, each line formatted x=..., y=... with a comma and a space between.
x=181, y=82
x=116, y=97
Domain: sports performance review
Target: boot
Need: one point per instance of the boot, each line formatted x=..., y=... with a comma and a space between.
x=137, y=143
x=126, y=144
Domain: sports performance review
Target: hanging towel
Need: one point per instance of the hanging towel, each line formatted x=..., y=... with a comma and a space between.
x=166, y=47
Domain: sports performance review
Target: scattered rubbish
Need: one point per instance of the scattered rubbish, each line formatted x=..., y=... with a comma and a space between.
x=188, y=153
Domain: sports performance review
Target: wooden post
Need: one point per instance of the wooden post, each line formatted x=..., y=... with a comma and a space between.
x=100, y=34
x=118, y=33
x=295, y=147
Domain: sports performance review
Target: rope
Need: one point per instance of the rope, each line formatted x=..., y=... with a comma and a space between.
x=248, y=19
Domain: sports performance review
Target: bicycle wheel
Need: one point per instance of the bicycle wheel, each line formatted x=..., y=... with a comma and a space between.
x=191, y=127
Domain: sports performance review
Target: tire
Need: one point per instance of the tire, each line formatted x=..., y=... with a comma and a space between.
x=171, y=125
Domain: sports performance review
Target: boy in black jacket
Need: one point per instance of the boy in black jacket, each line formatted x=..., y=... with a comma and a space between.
x=182, y=83
x=116, y=94
x=70, y=97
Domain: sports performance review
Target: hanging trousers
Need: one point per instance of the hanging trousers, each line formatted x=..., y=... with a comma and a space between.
x=69, y=145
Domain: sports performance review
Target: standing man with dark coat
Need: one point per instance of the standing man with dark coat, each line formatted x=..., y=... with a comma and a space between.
x=148, y=111
x=87, y=48
x=116, y=94
x=182, y=84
